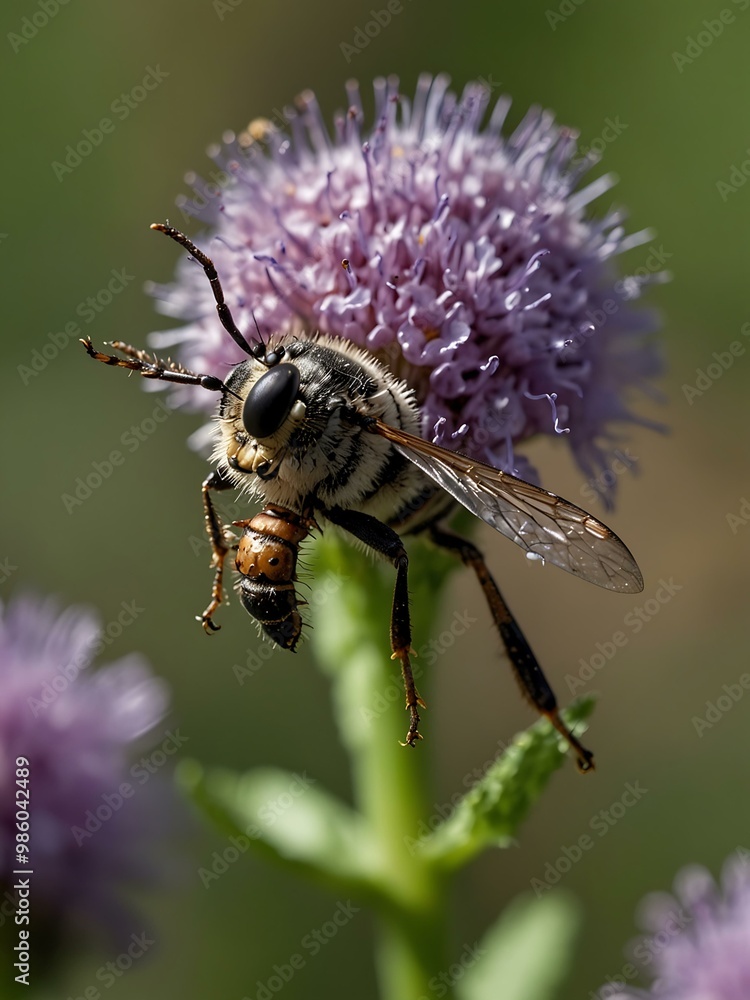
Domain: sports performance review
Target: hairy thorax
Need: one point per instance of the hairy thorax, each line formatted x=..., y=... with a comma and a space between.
x=318, y=453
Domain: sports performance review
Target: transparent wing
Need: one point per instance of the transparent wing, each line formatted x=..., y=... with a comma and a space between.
x=545, y=525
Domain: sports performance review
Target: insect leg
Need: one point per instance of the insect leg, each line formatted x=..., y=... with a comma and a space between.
x=384, y=540
x=219, y=547
x=534, y=685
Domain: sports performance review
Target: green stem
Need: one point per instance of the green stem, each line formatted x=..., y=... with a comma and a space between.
x=351, y=640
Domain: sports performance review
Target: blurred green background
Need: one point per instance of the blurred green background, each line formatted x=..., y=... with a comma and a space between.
x=226, y=63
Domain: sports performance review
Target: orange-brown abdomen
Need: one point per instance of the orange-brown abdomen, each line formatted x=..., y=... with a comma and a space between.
x=267, y=563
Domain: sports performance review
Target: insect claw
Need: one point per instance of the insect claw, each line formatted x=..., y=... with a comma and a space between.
x=412, y=738
x=208, y=624
x=584, y=757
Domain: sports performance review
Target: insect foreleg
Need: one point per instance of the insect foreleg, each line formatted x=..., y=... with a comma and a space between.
x=219, y=548
x=382, y=539
x=529, y=674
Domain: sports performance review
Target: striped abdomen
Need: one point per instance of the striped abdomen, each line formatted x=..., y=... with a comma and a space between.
x=267, y=562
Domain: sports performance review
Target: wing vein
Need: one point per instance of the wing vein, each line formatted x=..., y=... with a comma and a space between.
x=539, y=522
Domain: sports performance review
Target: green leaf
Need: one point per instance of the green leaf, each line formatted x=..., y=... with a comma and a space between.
x=287, y=817
x=491, y=812
x=526, y=955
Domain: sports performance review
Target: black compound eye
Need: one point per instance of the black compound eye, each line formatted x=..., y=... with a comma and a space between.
x=270, y=401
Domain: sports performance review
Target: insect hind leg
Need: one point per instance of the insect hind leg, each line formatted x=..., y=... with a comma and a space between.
x=382, y=539
x=534, y=685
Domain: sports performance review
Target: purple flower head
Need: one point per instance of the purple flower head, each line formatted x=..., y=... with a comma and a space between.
x=76, y=728
x=462, y=257
x=698, y=944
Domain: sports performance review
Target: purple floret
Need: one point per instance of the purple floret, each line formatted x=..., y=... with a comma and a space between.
x=698, y=943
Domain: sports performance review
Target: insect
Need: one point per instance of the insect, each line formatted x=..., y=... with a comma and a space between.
x=318, y=428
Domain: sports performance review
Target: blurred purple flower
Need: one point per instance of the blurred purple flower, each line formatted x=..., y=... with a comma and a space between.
x=76, y=728
x=699, y=942
x=473, y=270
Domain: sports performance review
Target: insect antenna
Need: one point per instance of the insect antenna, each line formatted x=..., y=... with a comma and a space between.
x=221, y=307
x=152, y=367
